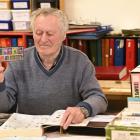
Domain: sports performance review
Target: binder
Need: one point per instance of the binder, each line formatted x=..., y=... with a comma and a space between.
x=130, y=54
x=138, y=55
x=119, y=52
x=111, y=52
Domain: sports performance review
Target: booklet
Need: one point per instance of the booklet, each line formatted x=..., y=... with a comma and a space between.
x=31, y=125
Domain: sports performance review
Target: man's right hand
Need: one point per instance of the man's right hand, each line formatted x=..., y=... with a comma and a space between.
x=1, y=73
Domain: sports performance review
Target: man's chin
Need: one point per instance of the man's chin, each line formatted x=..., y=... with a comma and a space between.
x=44, y=52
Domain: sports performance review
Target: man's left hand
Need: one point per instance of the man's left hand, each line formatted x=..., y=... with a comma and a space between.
x=72, y=115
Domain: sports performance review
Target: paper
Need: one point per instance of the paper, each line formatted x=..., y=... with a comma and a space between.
x=23, y=125
x=20, y=5
x=102, y=118
x=18, y=120
x=45, y=5
x=4, y=26
x=56, y=117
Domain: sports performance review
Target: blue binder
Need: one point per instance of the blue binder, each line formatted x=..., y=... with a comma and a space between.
x=103, y=30
x=119, y=56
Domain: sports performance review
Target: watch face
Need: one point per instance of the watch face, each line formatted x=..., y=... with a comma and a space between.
x=85, y=111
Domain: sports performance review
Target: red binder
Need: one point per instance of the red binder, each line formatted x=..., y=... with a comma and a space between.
x=130, y=54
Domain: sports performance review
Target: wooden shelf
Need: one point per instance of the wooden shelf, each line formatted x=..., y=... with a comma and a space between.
x=116, y=87
x=9, y=33
x=116, y=92
x=22, y=34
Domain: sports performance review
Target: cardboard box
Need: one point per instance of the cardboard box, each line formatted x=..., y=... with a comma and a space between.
x=20, y=4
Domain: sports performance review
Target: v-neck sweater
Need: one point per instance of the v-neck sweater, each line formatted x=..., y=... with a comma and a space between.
x=35, y=90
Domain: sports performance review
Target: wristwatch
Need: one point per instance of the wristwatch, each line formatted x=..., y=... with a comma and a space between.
x=84, y=111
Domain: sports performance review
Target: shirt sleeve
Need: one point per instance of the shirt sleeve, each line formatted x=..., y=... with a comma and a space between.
x=91, y=91
x=8, y=91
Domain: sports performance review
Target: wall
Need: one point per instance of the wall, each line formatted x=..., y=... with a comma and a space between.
x=121, y=14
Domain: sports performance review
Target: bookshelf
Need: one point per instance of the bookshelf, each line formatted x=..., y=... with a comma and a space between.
x=111, y=50
x=116, y=91
x=133, y=42
x=25, y=36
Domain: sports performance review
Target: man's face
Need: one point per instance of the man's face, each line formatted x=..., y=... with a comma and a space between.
x=47, y=35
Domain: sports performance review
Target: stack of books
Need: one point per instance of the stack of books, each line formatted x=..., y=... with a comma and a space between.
x=111, y=72
x=135, y=81
x=125, y=126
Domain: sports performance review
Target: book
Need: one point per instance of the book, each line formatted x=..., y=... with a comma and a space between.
x=110, y=72
x=133, y=104
x=125, y=125
x=131, y=32
x=25, y=125
x=14, y=41
x=138, y=54
x=105, y=55
x=119, y=52
x=103, y=51
x=85, y=34
x=111, y=52
x=20, y=42
x=93, y=51
x=82, y=45
x=130, y=61
x=85, y=26
x=135, y=81
x=84, y=30
x=99, y=52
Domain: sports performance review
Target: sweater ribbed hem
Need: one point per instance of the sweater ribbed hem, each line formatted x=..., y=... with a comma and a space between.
x=87, y=106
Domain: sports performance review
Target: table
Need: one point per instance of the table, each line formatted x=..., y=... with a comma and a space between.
x=56, y=136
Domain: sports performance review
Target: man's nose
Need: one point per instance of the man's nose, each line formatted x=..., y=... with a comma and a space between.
x=44, y=37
